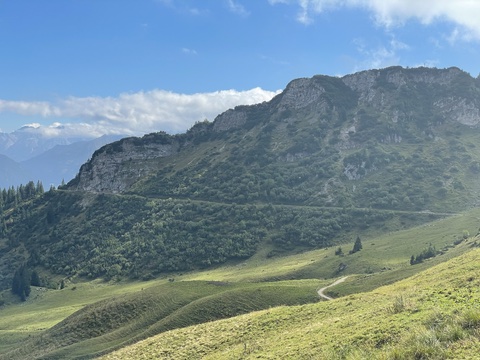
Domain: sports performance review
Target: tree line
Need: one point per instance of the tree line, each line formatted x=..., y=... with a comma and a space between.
x=14, y=195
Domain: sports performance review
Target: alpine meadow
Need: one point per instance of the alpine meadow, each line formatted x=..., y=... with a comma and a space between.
x=339, y=220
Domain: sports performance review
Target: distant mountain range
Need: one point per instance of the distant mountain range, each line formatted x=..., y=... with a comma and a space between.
x=11, y=172
x=27, y=155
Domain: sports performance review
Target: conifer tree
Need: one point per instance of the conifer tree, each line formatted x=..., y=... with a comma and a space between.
x=21, y=283
x=3, y=227
x=357, y=246
x=34, y=279
x=39, y=189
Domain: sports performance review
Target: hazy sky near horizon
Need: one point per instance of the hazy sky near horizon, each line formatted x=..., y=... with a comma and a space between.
x=90, y=67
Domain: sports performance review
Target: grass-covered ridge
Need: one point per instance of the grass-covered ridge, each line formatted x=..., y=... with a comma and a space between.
x=122, y=319
x=432, y=315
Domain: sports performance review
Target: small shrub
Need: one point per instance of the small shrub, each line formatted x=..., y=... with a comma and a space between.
x=428, y=253
x=398, y=304
x=422, y=344
x=450, y=333
x=470, y=319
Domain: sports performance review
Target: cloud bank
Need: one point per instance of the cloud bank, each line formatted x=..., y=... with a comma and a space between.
x=463, y=14
x=132, y=113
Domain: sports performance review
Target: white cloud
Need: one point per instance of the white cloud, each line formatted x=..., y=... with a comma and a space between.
x=134, y=113
x=173, y=5
x=71, y=130
x=196, y=11
x=41, y=108
x=380, y=56
x=463, y=13
x=237, y=8
x=189, y=51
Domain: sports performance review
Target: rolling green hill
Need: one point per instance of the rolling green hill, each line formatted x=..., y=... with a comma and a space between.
x=432, y=315
x=87, y=319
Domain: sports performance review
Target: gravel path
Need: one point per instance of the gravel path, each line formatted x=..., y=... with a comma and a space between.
x=321, y=292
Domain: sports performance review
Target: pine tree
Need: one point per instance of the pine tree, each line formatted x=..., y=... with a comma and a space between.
x=30, y=190
x=21, y=283
x=39, y=189
x=3, y=227
x=34, y=279
x=357, y=246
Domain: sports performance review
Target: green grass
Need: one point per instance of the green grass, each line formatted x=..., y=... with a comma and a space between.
x=438, y=319
x=383, y=260
x=46, y=307
x=97, y=317
x=119, y=320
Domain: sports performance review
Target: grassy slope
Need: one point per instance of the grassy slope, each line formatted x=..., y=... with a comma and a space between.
x=46, y=307
x=434, y=314
x=148, y=308
x=121, y=319
x=383, y=260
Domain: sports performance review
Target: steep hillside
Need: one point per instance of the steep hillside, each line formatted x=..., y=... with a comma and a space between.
x=324, y=161
x=74, y=234
x=432, y=315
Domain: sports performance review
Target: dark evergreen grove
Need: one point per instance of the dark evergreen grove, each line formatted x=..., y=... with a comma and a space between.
x=424, y=255
x=14, y=195
x=137, y=237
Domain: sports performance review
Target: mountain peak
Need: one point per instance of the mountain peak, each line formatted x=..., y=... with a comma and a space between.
x=320, y=116
x=29, y=127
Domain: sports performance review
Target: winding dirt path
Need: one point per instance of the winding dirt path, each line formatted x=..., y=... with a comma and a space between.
x=321, y=292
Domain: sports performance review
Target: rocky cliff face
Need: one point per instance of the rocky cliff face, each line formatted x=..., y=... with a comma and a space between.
x=230, y=119
x=460, y=110
x=300, y=93
x=117, y=166
x=367, y=82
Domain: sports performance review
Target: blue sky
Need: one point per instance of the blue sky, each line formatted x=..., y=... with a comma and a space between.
x=89, y=67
